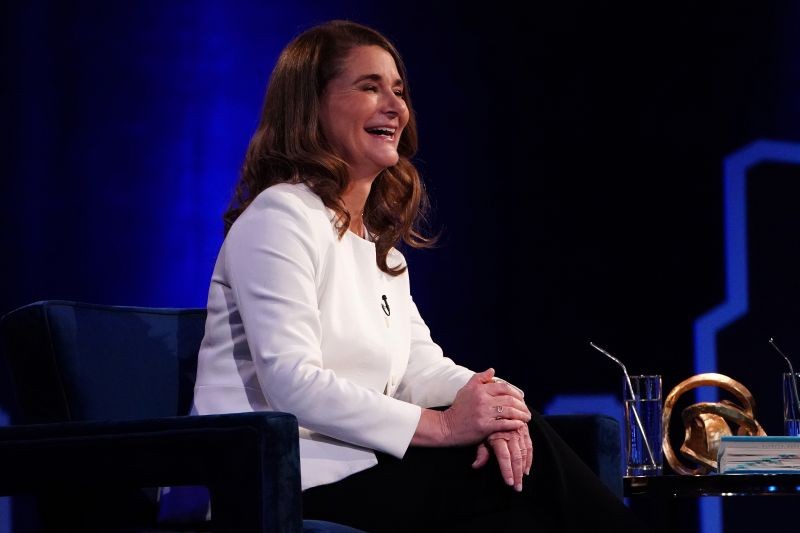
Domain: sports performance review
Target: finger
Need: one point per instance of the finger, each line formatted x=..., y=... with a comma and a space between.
x=501, y=388
x=513, y=387
x=497, y=424
x=529, y=445
x=508, y=401
x=481, y=456
x=505, y=435
x=510, y=411
x=487, y=376
x=503, y=456
x=518, y=452
x=519, y=404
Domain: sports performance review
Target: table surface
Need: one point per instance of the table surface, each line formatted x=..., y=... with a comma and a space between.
x=712, y=485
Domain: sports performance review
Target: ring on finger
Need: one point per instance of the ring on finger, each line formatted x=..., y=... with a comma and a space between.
x=499, y=408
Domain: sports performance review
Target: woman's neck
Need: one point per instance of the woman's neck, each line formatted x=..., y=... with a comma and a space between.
x=355, y=198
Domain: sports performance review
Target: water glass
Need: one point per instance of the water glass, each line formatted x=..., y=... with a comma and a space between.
x=643, y=406
x=791, y=412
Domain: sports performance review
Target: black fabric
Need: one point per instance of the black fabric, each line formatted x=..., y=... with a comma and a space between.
x=436, y=489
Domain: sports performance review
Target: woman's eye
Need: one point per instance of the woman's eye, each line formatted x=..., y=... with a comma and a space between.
x=398, y=93
x=372, y=88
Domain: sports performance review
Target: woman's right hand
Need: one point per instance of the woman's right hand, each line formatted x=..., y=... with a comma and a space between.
x=513, y=451
x=483, y=407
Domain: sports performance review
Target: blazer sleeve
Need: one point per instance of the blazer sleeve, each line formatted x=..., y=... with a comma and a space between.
x=272, y=256
x=431, y=379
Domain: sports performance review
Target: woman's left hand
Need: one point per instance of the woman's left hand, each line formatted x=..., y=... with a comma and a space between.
x=513, y=451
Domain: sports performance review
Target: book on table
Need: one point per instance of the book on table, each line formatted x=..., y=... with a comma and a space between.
x=759, y=455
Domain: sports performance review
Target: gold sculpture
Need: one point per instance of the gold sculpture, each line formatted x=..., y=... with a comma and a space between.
x=707, y=422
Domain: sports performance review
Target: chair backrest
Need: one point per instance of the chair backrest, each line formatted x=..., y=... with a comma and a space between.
x=78, y=361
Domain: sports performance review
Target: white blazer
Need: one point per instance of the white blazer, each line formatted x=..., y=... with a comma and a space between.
x=295, y=324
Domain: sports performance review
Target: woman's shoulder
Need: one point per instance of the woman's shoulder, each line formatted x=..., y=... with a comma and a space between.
x=292, y=195
x=282, y=207
x=286, y=201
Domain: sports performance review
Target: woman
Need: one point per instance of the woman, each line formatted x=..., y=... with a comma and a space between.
x=310, y=312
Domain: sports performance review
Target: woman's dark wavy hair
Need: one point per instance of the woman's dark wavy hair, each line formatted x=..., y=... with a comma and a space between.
x=289, y=146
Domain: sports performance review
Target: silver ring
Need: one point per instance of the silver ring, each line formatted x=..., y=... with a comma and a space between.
x=499, y=408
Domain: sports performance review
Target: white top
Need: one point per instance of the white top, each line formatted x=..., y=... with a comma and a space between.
x=295, y=324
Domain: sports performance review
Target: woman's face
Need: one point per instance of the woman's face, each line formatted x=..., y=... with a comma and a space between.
x=363, y=112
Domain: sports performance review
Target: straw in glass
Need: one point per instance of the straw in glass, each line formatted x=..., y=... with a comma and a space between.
x=633, y=405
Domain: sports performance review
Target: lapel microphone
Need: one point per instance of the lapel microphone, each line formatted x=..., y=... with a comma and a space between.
x=385, y=306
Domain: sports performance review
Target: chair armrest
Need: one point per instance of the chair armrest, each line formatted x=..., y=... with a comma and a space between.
x=249, y=462
x=597, y=440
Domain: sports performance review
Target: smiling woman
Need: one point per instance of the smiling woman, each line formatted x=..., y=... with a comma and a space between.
x=363, y=112
x=310, y=312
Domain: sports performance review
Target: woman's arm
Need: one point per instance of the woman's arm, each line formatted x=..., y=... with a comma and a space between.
x=430, y=378
x=274, y=262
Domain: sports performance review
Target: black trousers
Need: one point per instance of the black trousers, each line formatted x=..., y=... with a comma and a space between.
x=436, y=489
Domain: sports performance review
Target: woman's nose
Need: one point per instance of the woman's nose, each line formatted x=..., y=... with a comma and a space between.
x=393, y=105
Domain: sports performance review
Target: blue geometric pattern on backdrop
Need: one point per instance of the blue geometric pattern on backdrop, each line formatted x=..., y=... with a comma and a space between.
x=736, y=300
x=573, y=404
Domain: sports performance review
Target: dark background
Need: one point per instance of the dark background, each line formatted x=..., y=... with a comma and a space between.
x=574, y=155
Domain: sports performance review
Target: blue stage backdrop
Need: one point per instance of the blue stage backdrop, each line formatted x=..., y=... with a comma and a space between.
x=575, y=155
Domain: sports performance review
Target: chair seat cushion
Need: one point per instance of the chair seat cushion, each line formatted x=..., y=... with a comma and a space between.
x=187, y=507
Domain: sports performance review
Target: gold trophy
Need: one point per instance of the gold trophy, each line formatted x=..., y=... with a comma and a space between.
x=706, y=423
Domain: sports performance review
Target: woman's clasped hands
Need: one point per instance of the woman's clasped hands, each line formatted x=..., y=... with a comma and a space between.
x=492, y=413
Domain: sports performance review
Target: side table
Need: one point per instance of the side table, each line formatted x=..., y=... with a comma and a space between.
x=712, y=485
x=669, y=502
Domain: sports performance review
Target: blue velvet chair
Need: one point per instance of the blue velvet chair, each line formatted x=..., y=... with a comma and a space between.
x=103, y=394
